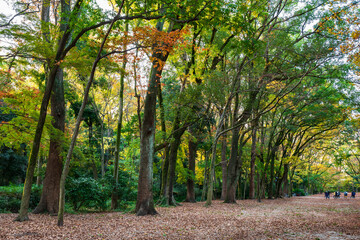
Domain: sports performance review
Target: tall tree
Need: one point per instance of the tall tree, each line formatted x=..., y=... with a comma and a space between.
x=49, y=201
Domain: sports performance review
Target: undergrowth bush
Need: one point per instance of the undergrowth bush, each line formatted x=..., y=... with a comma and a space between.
x=86, y=192
x=10, y=197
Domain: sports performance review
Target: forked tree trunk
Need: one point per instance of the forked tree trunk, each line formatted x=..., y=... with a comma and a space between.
x=174, y=147
x=49, y=201
x=177, y=132
x=23, y=213
x=232, y=170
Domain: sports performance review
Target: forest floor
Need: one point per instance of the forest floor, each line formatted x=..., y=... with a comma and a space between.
x=310, y=217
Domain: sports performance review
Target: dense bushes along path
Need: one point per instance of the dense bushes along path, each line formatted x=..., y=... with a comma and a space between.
x=310, y=217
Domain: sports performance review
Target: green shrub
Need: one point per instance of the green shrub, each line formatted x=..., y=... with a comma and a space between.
x=299, y=192
x=87, y=192
x=10, y=197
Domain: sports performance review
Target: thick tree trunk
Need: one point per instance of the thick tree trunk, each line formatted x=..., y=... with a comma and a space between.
x=49, y=201
x=145, y=202
x=190, y=186
x=285, y=191
x=165, y=170
x=23, y=213
x=39, y=164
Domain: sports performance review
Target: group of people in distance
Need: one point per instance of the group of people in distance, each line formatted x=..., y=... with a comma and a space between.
x=337, y=194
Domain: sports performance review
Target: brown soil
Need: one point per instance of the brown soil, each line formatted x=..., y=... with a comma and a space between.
x=310, y=217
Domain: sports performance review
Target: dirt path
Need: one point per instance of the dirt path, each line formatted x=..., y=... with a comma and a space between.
x=310, y=217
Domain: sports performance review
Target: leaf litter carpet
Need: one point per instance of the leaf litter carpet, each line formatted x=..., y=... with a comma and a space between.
x=311, y=217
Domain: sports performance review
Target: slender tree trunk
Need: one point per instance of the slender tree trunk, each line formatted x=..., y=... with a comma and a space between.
x=114, y=196
x=190, y=186
x=252, y=161
x=77, y=126
x=165, y=162
x=210, y=190
x=224, y=165
x=232, y=180
x=244, y=190
x=258, y=186
x=206, y=176
x=102, y=150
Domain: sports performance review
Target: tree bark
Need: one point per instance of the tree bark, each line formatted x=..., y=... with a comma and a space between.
x=190, y=186
x=145, y=201
x=23, y=213
x=232, y=180
x=206, y=176
x=174, y=146
x=224, y=165
x=39, y=164
x=66, y=168
x=114, y=195
x=252, y=161
x=49, y=201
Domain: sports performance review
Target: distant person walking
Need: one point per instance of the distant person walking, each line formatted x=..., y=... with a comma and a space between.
x=327, y=195
x=353, y=194
x=345, y=194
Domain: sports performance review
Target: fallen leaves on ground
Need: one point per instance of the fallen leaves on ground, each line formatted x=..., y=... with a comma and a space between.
x=311, y=217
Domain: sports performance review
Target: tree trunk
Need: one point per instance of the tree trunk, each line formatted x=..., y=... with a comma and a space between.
x=102, y=150
x=145, y=202
x=114, y=195
x=285, y=191
x=224, y=165
x=190, y=186
x=39, y=164
x=23, y=213
x=165, y=162
x=49, y=201
x=77, y=126
x=174, y=146
x=232, y=180
x=252, y=161
x=206, y=176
